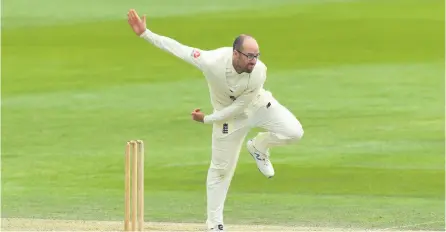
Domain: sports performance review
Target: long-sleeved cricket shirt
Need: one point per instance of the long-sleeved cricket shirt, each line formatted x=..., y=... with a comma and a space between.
x=231, y=93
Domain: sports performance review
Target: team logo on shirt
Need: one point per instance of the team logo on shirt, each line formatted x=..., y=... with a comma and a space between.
x=225, y=129
x=195, y=53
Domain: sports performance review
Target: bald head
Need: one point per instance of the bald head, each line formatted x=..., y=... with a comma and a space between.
x=243, y=42
x=245, y=53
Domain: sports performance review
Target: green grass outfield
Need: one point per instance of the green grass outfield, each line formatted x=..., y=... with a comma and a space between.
x=365, y=78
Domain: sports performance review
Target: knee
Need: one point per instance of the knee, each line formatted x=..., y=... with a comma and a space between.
x=220, y=170
x=294, y=134
x=217, y=176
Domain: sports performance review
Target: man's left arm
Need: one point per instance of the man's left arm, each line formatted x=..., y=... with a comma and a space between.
x=240, y=104
x=236, y=107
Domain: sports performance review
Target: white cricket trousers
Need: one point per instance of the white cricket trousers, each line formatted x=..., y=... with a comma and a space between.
x=281, y=128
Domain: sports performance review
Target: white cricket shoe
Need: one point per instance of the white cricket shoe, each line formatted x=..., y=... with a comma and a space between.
x=262, y=159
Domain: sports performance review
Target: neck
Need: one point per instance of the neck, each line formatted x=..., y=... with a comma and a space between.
x=237, y=68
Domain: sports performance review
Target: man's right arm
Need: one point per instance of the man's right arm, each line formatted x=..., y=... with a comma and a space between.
x=191, y=55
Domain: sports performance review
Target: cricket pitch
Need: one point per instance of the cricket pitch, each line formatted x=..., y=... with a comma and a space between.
x=25, y=224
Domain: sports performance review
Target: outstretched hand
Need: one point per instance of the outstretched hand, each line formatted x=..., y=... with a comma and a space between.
x=197, y=115
x=137, y=24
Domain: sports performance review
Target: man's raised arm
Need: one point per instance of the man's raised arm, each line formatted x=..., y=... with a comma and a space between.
x=191, y=55
x=186, y=53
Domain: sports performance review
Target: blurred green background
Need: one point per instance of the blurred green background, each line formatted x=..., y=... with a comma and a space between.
x=365, y=78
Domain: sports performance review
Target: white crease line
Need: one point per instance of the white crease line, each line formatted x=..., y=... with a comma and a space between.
x=413, y=225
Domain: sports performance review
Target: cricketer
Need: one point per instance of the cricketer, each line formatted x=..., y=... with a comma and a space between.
x=235, y=77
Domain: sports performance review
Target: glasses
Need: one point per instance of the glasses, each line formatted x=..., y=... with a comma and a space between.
x=250, y=56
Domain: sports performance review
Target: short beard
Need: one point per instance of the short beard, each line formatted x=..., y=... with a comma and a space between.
x=238, y=68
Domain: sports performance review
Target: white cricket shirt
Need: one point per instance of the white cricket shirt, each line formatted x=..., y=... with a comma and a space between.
x=231, y=94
